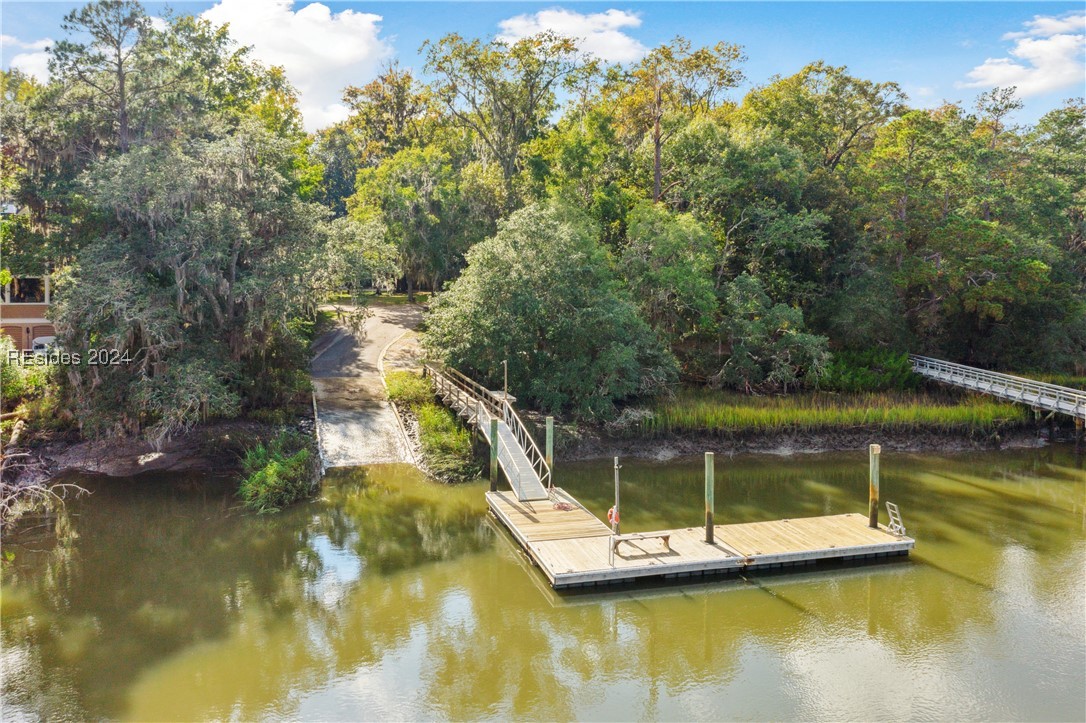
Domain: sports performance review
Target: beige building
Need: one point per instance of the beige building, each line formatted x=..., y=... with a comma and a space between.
x=23, y=306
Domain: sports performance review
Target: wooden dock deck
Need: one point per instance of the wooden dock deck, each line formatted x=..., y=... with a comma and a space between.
x=572, y=547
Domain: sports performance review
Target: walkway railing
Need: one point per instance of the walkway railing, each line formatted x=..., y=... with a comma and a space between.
x=524, y=439
x=467, y=395
x=1050, y=397
x=462, y=391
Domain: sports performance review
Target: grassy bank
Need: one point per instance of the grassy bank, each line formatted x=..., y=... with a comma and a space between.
x=387, y=299
x=724, y=413
x=445, y=443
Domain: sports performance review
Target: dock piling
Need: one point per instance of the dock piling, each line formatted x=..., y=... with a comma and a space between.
x=709, y=484
x=873, y=486
x=614, y=518
x=550, y=444
x=494, y=455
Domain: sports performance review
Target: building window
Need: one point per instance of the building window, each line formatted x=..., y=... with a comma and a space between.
x=27, y=290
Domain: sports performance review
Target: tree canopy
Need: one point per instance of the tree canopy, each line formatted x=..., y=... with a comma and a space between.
x=541, y=295
x=607, y=230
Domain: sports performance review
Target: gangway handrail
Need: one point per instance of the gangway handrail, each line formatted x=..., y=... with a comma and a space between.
x=1006, y=386
x=503, y=410
x=524, y=439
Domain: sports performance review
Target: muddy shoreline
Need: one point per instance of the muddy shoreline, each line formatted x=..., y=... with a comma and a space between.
x=214, y=448
x=217, y=447
x=594, y=445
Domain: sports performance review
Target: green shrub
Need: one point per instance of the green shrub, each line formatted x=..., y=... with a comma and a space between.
x=409, y=389
x=20, y=382
x=278, y=473
x=769, y=347
x=874, y=370
x=446, y=445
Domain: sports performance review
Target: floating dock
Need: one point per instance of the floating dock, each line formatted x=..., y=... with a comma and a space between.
x=574, y=548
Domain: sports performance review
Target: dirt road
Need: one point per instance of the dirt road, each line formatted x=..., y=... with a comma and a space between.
x=357, y=424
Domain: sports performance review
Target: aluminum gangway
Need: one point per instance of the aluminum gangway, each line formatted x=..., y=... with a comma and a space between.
x=518, y=456
x=1039, y=395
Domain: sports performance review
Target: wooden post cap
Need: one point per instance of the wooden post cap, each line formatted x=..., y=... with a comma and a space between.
x=876, y=448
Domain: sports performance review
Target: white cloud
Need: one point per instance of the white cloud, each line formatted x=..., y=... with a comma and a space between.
x=1043, y=26
x=321, y=51
x=1047, y=56
x=600, y=34
x=34, y=62
x=11, y=40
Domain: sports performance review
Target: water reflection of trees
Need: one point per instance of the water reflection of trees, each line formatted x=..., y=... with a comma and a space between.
x=474, y=637
x=156, y=564
x=396, y=527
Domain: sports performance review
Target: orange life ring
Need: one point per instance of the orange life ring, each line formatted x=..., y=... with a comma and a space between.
x=612, y=516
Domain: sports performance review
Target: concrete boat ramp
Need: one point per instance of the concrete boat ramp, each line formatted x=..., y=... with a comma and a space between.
x=356, y=423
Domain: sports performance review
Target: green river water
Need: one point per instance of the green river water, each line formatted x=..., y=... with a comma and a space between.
x=392, y=597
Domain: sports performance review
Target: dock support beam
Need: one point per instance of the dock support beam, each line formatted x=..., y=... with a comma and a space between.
x=873, y=486
x=710, y=475
x=493, y=455
x=1079, y=431
x=550, y=445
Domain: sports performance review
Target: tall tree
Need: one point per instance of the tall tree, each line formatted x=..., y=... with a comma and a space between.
x=667, y=265
x=210, y=253
x=504, y=93
x=583, y=162
x=674, y=82
x=1057, y=147
x=541, y=295
x=825, y=112
x=390, y=113
x=118, y=67
x=416, y=195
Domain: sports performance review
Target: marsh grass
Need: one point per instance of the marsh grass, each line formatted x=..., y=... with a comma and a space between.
x=734, y=414
x=1064, y=380
x=446, y=444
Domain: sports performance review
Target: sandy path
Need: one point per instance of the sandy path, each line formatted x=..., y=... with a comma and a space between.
x=357, y=424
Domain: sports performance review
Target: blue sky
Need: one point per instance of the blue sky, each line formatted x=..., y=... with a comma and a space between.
x=936, y=51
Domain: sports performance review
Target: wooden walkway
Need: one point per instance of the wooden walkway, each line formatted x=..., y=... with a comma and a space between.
x=572, y=547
